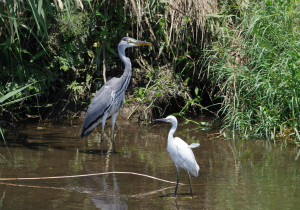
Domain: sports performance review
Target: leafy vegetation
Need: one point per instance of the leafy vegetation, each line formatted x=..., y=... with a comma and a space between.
x=236, y=57
x=255, y=68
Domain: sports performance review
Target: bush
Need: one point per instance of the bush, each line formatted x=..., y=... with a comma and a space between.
x=255, y=67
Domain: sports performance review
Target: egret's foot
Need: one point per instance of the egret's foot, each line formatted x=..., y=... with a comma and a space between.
x=168, y=196
x=188, y=197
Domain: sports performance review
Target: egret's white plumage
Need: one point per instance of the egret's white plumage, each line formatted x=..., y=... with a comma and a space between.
x=180, y=152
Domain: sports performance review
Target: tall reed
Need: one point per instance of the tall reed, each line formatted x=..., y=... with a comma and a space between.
x=255, y=68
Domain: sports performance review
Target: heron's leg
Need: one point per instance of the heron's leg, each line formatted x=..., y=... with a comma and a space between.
x=190, y=184
x=177, y=181
x=101, y=138
x=113, y=118
x=102, y=133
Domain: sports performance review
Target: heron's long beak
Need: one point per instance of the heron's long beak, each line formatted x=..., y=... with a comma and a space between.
x=138, y=42
x=163, y=120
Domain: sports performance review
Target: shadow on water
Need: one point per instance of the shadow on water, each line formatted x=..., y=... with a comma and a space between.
x=171, y=195
x=110, y=197
x=99, y=151
x=249, y=174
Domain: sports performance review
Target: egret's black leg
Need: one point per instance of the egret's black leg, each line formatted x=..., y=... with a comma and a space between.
x=190, y=184
x=177, y=181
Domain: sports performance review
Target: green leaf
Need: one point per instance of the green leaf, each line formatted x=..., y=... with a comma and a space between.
x=110, y=49
x=15, y=101
x=36, y=56
x=161, y=48
x=196, y=91
x=38, y=18
x=12, y=93
x=30, y=30
x=141, y=91
x=91, y=53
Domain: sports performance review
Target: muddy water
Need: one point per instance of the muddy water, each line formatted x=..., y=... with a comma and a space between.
x=233, y=174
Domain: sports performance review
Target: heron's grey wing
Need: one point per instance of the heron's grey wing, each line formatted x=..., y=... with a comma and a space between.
x=99, y=105
x=187, y=155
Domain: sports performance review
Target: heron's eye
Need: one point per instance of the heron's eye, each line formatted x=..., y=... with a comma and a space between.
x=129, y=41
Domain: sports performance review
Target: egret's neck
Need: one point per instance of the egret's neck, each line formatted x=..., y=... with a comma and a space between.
x=128, y=69
x=172, y=131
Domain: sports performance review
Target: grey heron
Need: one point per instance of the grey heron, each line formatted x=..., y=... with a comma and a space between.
x=181, y=153
x=110, y=98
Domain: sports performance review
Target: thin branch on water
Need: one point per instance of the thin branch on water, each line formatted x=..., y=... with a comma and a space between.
x=32, y=186
x=86, y=175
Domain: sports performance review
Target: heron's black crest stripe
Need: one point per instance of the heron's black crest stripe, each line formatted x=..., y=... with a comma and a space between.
x=126, y=38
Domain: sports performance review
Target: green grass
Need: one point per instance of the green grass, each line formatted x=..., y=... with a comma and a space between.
x=255, y=69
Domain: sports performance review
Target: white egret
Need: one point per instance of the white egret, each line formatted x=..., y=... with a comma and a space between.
x=181, y=153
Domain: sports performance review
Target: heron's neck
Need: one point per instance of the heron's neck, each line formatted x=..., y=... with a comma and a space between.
x=172, y=131
x=128, y=69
